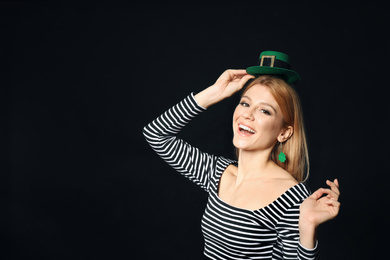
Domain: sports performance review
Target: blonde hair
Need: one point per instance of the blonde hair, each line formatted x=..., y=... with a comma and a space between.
x=295, y=148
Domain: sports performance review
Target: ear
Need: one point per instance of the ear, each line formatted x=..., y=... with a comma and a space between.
x=285, y=134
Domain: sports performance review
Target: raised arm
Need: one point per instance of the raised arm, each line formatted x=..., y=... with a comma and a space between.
x=186, y=159
x=161, y=132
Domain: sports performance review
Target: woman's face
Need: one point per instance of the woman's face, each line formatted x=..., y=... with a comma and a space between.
x=257, y=120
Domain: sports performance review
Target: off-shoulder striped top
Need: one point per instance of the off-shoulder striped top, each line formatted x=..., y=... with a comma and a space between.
x=229, y=232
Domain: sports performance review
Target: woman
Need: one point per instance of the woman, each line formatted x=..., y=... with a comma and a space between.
x=258, y=207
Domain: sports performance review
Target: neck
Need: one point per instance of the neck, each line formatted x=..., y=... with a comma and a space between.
x=253, y=164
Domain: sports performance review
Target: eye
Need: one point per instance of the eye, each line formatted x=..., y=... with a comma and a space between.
x=244, y=104
x=265, y=112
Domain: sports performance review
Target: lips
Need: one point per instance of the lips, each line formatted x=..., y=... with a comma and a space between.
x=246, y=130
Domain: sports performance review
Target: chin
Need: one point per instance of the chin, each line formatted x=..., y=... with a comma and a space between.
x=240, y=144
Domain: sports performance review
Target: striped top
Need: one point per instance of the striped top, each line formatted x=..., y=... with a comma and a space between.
x=229, y=232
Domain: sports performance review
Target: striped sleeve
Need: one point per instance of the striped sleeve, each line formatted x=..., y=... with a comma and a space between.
x=288, y=237
x=187, y=160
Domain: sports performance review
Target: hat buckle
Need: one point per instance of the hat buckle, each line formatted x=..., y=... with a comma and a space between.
x=271, y=62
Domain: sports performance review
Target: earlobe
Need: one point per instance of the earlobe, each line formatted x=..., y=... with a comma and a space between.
x=285, y=134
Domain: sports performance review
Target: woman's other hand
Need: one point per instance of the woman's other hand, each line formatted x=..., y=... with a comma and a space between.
x=316, y=210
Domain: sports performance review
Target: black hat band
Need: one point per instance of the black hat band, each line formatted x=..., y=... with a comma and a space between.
x=271, y=61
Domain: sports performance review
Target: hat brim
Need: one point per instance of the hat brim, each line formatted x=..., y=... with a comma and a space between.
x=290, y=76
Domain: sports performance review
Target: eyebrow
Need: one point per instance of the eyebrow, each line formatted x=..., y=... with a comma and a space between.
x=261, y=102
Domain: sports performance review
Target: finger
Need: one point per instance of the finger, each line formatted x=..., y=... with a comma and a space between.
x=331, y=193
x=236, y=73
x=334, y=187
x=336, y=181
x=321, y=191
x=239, y=72
x=245, y=79
x=333, y=183
x=333, y=203
x=317, y=194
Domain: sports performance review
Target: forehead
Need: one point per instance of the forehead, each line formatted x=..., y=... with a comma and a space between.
x=260, y=93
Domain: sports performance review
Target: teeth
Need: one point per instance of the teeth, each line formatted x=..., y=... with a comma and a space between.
x=247, y=128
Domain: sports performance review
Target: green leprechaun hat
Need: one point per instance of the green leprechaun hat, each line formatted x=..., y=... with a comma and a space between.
x=275, y=63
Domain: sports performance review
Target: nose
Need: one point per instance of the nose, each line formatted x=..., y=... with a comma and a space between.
x=248, y=114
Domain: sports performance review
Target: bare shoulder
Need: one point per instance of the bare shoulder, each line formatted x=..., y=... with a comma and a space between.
x=284, y=180
x=229, y=175
x=231, y=170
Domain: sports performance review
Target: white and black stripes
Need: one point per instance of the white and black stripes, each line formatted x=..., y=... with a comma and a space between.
x=229, y=232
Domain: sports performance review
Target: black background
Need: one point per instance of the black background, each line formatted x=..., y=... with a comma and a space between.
x=79, y=80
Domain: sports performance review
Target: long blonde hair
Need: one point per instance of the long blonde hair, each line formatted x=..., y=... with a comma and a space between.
x=295, y=148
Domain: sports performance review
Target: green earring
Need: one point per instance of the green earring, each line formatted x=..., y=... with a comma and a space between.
x=282, y=157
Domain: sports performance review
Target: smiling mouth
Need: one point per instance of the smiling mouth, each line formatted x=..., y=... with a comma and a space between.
x=246, y=129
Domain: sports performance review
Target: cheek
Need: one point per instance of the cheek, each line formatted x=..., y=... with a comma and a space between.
x=237, y=111
x=268, y=126
x=236, y=115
